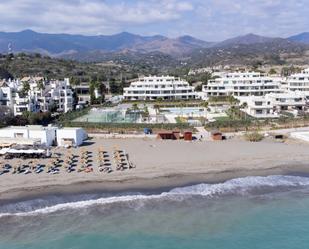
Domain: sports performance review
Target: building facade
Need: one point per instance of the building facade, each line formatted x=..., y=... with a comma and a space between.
x=165, y=88
x=46, y=136
x=241, y=85
x=6, y=95
x=36, y=94
x=299, y=82
x=273, y=104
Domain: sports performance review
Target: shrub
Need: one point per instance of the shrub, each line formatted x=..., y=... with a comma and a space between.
x=254, y=137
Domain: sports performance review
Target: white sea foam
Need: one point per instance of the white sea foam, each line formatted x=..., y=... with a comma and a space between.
x=243, y=185
x=234, y=186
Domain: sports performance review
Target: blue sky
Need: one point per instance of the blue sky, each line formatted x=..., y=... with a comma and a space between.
x=211, y=20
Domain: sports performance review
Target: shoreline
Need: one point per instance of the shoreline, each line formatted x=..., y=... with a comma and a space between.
x=163, y=165
x=156, y=185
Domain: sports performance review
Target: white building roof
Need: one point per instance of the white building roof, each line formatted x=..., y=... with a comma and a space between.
x=29, y=127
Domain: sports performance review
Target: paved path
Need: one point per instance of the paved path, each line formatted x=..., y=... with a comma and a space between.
x=279, y=131
x=201, y=131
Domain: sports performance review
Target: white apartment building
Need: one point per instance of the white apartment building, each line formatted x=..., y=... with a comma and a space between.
x=271, y=105
x=242, y=84
x=299, y=82
x=259, y=107
x=22, y=104
x=165, y=88
x=6, y=95
x=57, y=95
x=83, y=93
x=288, y=101
x=42, y=95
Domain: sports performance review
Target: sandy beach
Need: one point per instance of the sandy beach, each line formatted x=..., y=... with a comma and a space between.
x=163, y=164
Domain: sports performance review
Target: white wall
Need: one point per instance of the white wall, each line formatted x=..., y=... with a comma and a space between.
x=47, y=136
x=10, y=132
x=301, y=135
x=78, y=135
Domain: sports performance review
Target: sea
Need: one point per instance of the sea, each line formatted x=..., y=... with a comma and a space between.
x=269, y=212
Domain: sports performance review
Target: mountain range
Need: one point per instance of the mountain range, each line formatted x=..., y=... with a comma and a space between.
x=61, y=44
x=88, y=48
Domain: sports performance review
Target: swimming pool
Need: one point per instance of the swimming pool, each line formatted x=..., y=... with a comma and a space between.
x=193, y=111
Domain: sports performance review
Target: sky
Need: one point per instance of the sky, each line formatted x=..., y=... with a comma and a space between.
x=210, y=20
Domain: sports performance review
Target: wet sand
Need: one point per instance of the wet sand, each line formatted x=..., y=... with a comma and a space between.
x=163, y=164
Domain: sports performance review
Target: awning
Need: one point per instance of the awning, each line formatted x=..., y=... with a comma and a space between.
x=14, y=151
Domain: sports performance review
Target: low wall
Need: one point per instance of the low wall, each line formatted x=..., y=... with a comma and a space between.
x=301, y=135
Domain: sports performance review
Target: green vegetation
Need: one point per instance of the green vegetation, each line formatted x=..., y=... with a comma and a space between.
x=254, y=136
x=125, y=127
x=27, y=118
x=25, y=89
x=230, y=125
x=181, y=120
x=224, y=99
x=222, y=119
x=250, y=124
x=272, y=71
x=286, y=71
x=20, y=65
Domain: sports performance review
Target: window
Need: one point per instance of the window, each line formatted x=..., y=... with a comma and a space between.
x=18, y=135
x=259, y=111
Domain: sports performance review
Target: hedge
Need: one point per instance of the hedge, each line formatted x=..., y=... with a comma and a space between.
x=126, y=126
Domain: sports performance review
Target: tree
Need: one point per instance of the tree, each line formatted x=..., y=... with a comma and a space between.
x=199, y=88
x=232, y=100
x=206, y=77
x=232, y=112
x=205, y=104
x=135, y=107
x=114, y=87
x=182, y=105
x=244, y=105
x=41, y=85
x=5, y=74
x=74, y=81
x=146, y=112
x=272, y=71
x=25, y=89
x=157, y=108
x=91, y=91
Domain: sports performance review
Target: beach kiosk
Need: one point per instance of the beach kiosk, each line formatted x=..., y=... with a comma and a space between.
x=187, y=136
x=71, y=137
x=216, y=135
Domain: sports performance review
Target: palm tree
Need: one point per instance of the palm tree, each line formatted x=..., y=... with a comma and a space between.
x=182, y=105
x=244, y=105
x=146, y=112
x=157, y=109
x=232, y=111
x=205, y=105
x=135, y=109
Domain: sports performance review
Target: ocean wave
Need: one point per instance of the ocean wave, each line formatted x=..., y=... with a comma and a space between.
x=243, y=185
x=234, y=186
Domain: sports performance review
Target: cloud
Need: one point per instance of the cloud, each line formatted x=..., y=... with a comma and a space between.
x=207, y=19
x=87, y=16
x=222, y=19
